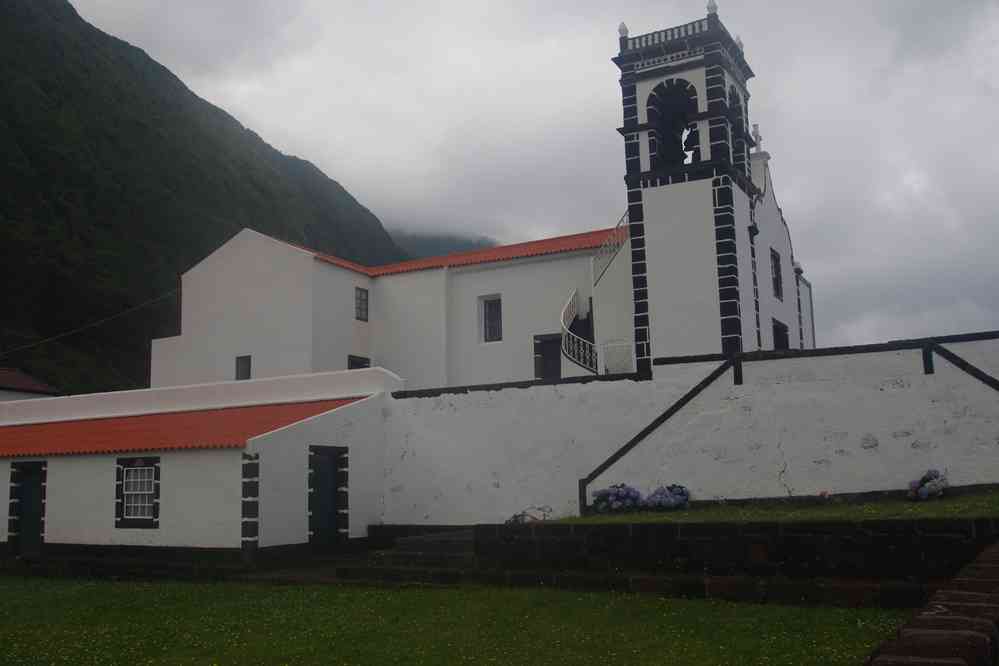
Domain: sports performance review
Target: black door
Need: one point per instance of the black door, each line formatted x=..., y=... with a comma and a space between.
x=328, y=519
x=30, y=510
x=548, y=356
x=781, y=339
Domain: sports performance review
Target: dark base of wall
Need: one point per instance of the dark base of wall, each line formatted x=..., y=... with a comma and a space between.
x=169, y=562
x=753, y=589
x=895, y=549
x=384, y=536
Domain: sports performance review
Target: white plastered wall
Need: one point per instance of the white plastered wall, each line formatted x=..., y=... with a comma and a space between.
x=483, y=456
x=840, y=424
x=773, y=234
x=410, y=335
x=284, y=470
x=252, y=296
x=533, y=292
x=682, y=269
x=200, y=500
x=336, y=333
x=613, y=314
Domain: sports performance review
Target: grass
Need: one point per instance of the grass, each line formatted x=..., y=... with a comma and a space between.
x=46, y=621
x=977, y=505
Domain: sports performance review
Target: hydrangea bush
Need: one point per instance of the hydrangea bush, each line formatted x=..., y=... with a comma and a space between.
x=673, y=496
x=932, y=484
x=622, y=497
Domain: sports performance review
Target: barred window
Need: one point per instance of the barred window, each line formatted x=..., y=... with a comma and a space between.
x=360, y=304
x=492, y=319
x=139, y=492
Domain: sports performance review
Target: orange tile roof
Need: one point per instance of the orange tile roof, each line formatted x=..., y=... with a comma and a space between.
x=12, y=379
x=225, y=428
x=572, y=243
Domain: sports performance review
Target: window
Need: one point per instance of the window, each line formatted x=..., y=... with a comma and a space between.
x=137, y=493
x=360, y=304
x=492, y=319
x=776, y=273
x=243, y=367
x=357, y=362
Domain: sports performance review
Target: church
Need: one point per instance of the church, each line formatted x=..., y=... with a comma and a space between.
x=308, y=398
x=701, y=262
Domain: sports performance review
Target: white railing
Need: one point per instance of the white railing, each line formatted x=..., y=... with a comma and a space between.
x=581, y=352
x=605, y=254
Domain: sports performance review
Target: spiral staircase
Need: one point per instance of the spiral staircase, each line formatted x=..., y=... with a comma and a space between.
x=578, y=343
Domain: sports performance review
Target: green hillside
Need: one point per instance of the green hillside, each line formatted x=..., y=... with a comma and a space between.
x=115, y=178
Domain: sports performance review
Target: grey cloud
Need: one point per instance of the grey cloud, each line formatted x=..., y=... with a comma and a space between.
x=500, y=118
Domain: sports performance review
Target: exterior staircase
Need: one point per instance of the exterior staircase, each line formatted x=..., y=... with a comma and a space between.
x=578, y=343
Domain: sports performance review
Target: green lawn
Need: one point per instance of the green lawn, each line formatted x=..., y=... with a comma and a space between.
x=82, y=622
x=977, y=505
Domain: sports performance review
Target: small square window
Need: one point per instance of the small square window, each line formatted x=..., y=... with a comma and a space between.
x=360, y=304
x=492, y=319
x=357, y=362
x=775, y=270
x=243, y=367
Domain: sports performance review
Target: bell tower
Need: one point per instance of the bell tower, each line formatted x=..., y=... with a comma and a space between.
x=690, y=187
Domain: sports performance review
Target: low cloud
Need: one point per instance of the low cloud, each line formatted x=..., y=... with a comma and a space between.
x=499, y=119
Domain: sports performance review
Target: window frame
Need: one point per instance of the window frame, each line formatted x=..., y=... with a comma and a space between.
x=122, y=520
x=484, y=326
x=355, y=362
x=362, y=300
x=249, y=367
x=776, y=271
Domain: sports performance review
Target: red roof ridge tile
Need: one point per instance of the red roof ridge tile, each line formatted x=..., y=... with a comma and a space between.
x=217, y=427
x=585, y=240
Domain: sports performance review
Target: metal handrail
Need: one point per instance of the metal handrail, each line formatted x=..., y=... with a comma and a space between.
x=609, y=248
x=581, y=352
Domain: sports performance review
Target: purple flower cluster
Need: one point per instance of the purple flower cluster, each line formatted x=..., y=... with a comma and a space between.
x=673, y=496
x=619, y=497
x=931, y=484
x=622, y=497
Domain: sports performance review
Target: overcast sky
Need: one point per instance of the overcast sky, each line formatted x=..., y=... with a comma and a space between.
x=499, y=118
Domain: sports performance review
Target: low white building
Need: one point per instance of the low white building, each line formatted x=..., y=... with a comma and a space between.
x=701, y=263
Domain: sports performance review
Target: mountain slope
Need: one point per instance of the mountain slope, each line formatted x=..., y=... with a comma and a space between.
x=419, y=244
x=116, y=178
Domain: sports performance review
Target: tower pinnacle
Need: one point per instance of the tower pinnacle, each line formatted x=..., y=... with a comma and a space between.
x=712, y=7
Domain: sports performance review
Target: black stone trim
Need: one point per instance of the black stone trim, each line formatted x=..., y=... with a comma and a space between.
x=250, y=514
x=529, y=383
x=120, y=521
x=649, y=429
x=928, y=360
x=17, y=470
x=894, y=345
x=726, y=257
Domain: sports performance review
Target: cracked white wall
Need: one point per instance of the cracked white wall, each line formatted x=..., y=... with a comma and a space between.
x=797, y=426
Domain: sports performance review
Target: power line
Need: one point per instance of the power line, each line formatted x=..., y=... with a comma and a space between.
x=86, y=326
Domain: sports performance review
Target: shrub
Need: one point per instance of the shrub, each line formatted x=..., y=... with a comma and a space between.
x=930, y=485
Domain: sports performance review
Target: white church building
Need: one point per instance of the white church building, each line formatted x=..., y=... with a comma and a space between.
x=307, y=397
x=700, y=263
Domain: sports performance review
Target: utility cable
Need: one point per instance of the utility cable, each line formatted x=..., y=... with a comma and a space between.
x=86, y=326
